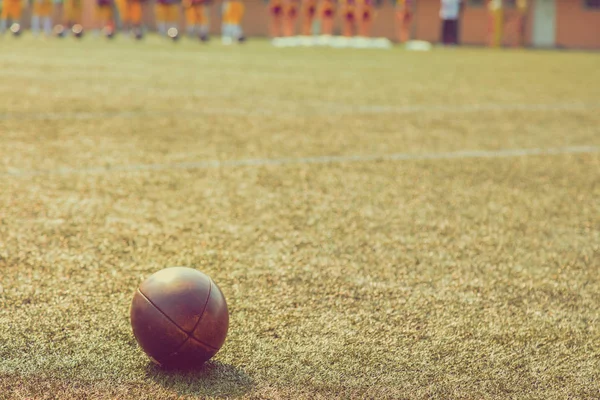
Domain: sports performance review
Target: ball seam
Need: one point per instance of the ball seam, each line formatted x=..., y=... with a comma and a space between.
x=163, y=313
x=203, y=309
x=188, y=334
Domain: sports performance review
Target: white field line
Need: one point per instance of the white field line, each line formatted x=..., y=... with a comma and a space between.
x=91, y=115
x=310, y=109
x=257, y=162
x=466, y=108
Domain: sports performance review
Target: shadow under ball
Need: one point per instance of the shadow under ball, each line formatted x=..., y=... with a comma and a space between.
x=179, y=317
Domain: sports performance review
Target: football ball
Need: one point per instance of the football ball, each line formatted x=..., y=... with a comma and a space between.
x=15, y=29
x=77, y=30
x=59, y=31
x=179, y=317
x=173, y=33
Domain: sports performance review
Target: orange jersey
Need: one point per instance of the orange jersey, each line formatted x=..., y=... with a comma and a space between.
x=104, y=12
x=130, y=11
x=123, y=8
x=233, y=12
x=11, y=9
x=194, y=14
x=73, y=9
x=166, y=12
x=42, y=8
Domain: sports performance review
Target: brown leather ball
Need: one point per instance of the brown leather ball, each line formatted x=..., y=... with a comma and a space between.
x=179, y=317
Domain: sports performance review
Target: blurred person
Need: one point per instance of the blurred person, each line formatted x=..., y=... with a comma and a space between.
x=205, y=21
x=136, y=14
x=130, y=12
x=366, y=15
x=167, y=15
x=105, y=16
x=275, y=18
x=41, y=16
x=520, y=23
x=309, y=12
x=197, y=13
x=73, y=11
x=194, y=11
x=449, y=14
x=11, y=12
x=58, y=11
x=233, y=13
x=404, y=16
x=291, y=10
x=327, y=14
x=495, y=22
x=349, y=17
x=124, y=17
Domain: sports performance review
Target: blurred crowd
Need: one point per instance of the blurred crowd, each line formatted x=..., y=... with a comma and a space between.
x=287, y=18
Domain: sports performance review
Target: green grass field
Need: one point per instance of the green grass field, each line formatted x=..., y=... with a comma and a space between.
x=464, y=266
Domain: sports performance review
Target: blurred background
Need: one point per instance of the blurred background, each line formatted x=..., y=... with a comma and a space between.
x=545, y=23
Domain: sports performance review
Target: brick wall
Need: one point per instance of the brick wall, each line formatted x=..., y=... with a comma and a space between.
x=577, y=26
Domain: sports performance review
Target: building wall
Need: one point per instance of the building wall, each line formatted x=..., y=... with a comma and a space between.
x=475, y=25
x=427, y=20
x=577, y=27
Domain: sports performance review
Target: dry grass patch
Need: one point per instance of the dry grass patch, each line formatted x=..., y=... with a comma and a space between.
x=464, y=278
